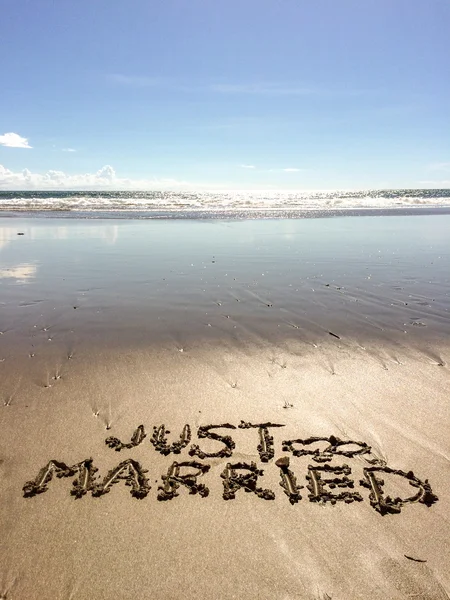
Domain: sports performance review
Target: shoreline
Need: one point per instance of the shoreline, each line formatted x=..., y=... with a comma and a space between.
x=239, y=215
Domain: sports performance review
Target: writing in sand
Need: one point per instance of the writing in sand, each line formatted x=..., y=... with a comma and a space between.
x=324, y=482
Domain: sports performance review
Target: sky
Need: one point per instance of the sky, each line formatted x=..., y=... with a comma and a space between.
x=239, y=94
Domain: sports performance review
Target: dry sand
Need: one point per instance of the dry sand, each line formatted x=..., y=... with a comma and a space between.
x=336, y=329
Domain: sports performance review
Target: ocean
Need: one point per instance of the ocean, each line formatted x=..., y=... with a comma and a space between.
x=238, y=204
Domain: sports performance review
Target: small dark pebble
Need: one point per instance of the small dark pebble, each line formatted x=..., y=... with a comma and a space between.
x=334, y=335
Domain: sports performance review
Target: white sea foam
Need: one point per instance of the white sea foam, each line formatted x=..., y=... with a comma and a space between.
x=222, y=202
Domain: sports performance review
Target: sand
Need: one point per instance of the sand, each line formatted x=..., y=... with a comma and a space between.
x=335, y=329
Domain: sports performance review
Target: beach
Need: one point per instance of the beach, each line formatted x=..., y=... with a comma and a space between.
x=154, y=373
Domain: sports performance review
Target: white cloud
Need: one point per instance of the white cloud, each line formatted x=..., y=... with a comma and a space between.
x=285, y=170
x=68, y=150
x=443, y=184
x=272, y=89
x=443, y=166
x=135, y=80
x=255, y=88
x=263, y=88
x=104, y=179
x=13, y=140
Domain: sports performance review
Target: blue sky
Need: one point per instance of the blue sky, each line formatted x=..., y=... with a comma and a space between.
x=248, y=94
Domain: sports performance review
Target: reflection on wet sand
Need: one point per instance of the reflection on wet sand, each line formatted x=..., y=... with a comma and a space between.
x=20, y=273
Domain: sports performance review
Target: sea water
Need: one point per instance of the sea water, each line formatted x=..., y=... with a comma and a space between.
x=239, y=204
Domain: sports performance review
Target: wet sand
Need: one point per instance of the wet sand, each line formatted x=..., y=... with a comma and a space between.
x=336, y=329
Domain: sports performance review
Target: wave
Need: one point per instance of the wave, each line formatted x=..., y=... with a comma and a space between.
x=211, y=202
